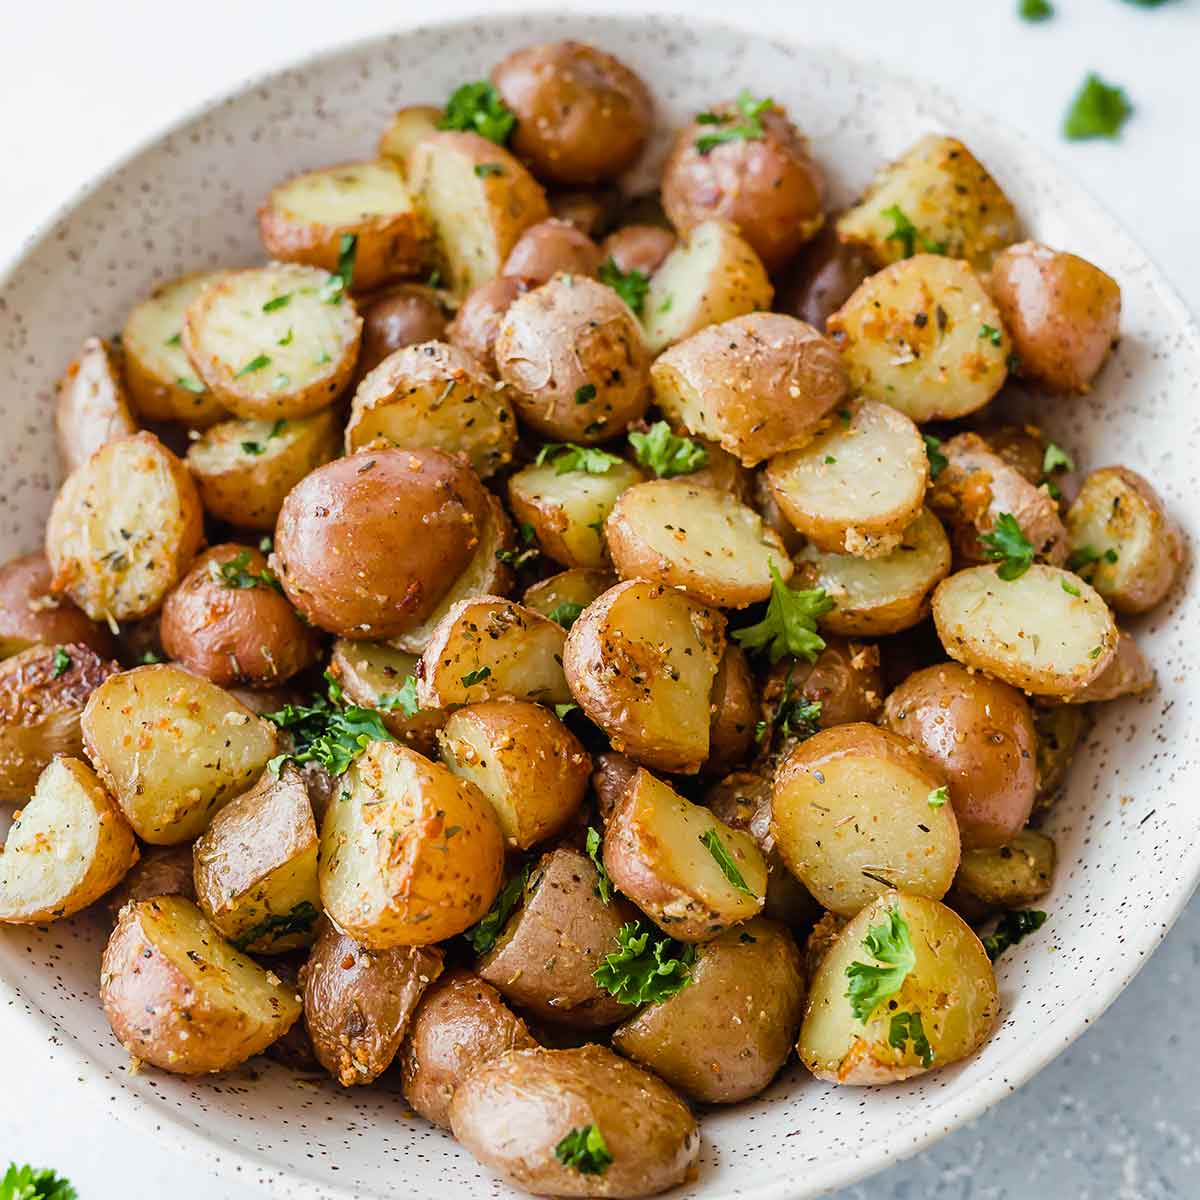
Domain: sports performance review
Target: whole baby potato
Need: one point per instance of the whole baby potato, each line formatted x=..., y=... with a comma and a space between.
x=400, y=316
x=477, y=322
x=31, y=614
x=551, y=248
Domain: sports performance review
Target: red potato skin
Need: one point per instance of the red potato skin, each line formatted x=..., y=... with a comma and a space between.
x=31, y=614
x=400, y=316
x=477, y=323
x=551, y=248
x=823, y=276
x=638, y=248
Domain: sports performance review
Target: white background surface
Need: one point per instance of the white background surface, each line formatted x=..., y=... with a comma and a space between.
x=83, y=82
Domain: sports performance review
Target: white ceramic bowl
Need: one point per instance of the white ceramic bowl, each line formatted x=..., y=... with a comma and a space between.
x=1126, y=833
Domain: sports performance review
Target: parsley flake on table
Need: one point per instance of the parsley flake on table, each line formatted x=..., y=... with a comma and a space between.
x=749, y=129
x=646, y=967
x=26, y=1183
x=713, y=844
x=631, y=286
x=1013, y=927
x=1098, y=110
x=1009, y=546
x=477, y=108
x=1035, y=10
x=666, y=454
x=483, y=934
x=871, y=984
x=566, y=456
x=585, y=1150
x=604, y=884
x=790, y=623
x=908, y=235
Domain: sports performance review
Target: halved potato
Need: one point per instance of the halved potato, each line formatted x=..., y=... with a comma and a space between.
x=163, y=384
x=406, y=128
x=568, y=510
x=529, y=765
x=854, y=813
x=857, y=486
x=712, y=275
x=244, y=469
x=66, y=848
x=946, y=194
x=1009, y=876
x=410, y=855
x=476, y=214
x=274, y=341
x=640, y=662
x=256, y=867
x=1129, y=673
x=923, y=336
x=876, y=596
x=173, y=749
x=92, y=406
x=179, y=997
x=564, y=596
x=123, y=529
x=308, y=219
x=943, y=1010
x=758, y=385
x=1047, y=631
x=434, y=395
x=488, y=647
x=690, y=873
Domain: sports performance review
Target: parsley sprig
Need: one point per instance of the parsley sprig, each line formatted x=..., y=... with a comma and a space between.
x=585, y=1150
x=631, y=286
x=300, y=919
x=908, y=235
x=749, y=129
x=795, y=716
x=906, y=1027
x=790, y=623
x=1013, y=927
x=604, y=883
x=565, y=614
x=666, y=454
x=477, y=108
x=405, y=699
x=565, y=457
x=235, y=573
x=646, y=967
x=483, y=934
x=1009, y=546
x=26, y=1183
x=871, y=984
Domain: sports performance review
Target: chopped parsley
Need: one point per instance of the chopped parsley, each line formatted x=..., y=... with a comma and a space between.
x=277, y=302
x=1098, y=110
x=604, y=885
x=483, y=170
x=789, y=625
x=1089, y=556
x=234, y=573
x=477, y=108
x=62, y=662
x=724, y=860
x=566, y=456
x=1013, y=927
x=585, y=393
x=287, y=338
x=255, y=364
x=871, y=984
x=473, y=677
x=561, y=711
x=938, y=797
x=666, y=454
x=190, y=385
x=565, y=614
x=584, y=1150
x=631, y=286
x=646, y=967
x=484, y=933
x=938, y=462
x=992, y=334
x=150, y=657
x=749, y=128
x=279, y=925
x=906, y=1027
x=1009, y=546
x=338, y=284
x=26, y=1183
x=254, y=448
x=908, y=235
x=1069, y=587
x=1056, y=459
x=405, y=699
x=518, y=558
x=175, y=339
x=1035, y=10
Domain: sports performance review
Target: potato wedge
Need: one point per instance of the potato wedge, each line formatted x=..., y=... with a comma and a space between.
x=858, y=485
x=640, y=662
x=856, y=811
x=256, y=867
x=358, y=1002
x=923, y=336
x=43, y=691
x=434, y=395
x=406, y=128
x=733, y=703
x=488, y=647
x=564, y=596
x=476, y=215
x=274, y=341
x=946, y=194
x=173, y=749
x=529, y=765
x=877, y=596
x=1117, y=512
x=309, y=218
x=1129, y=673
x=163, y=384
x=711, y=276
x=725, y=384
x=690, y=873
x=1009, y=876
x=944, y=1010
x=694, y=538
x=123, y=529
x=92, y=407
x=31, y=615
x=390, y=874
x=1047, y=631
x=244, y=469
x=181, y=998
x=568, y=510
x=66, y=848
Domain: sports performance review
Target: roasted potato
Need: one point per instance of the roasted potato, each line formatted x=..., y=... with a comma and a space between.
x=1046, y=631
x=245, y=469
x=519, y=1112
x=30, y=613
x=172, y=748
x=725, y=383
x=66, y=848
x=123, y=529
x=406, y=128
x=1009, y=876
x=690, y=873
x=937, y=197
x=1062, y=312
x=724, y=1037
x=640, y=661
x=434, y=395
x=857, y=810
x=923, y=336
x=1060, y=728
x=529, y=765
x=92, y=407
x=275, y=341
x=590, y=210
x=1122, y=540
x=858, y=485
x=476, y=215
x=582, y=115
x=1022, y=447
x=641, y=248
x=546, y=955
x=574, y=356
x=358, y=1003
x=844, y=679
x=361, y=211
x=229, y=621
x=767, y=186
x=256, y=866
x=822, y=277
x=943, y=1010
x=179, y=997
x=43, y=690
x=694, y=538
x=477, y=321
x=610, y=780
x=403, y=315
x=1129, y=673
x=368, y=545
x=710, y=277
x=980, y=732
x=160, y=871
x=551, y=248
x=876, y=596
x=733, y=703
x=460, y=1024
x=564, y=596
x=389, y=874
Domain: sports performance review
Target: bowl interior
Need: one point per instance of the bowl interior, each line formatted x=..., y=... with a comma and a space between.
x=1127, y=849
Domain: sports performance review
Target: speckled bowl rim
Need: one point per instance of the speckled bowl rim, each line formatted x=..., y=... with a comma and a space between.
x=924, y=1126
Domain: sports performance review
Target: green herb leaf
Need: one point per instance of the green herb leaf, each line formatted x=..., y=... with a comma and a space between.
x=871, y=984
x=234, y=574
x=646, y=967
x=908, y=235
x=790, y=623
x=992, y=334
x=26, y=1183
x=750, y=128
x=938, y=797
x=484, y=933
x=1007, y=544
x=1069, y=587
x=585, y=393
x=287, y=339
x=566, y=456
x=564, y=614
x=666, y=454
x=604, y=886
x=724, y=860
x=477, y=108
x=405, y=699
x=191, y=385
x=300, y=919
x=62, y=662
x=1089, y=556
x=175, y=339
x=254, y=448
x=906, y=1027
x=473, y=677
x=584, y=1150
x=938, y=462
x=277, y=302
x=631, y=286
x=1035, y=10
x=1098, y=110
x=255, y=364
x=149, y=657
x=1056, y=459
x=561, y=711
x=1013, y=927
x=483, y=170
